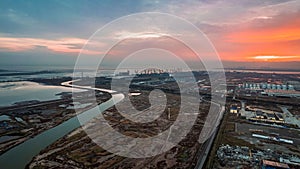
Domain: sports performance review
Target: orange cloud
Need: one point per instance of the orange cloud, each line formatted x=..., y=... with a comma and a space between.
x=272, y=58
x=264, y=36
x=272, y=40
x=281, y=51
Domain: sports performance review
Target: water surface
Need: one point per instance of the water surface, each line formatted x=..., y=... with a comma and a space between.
x=12, y=92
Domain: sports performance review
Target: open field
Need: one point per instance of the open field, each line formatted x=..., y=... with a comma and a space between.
x=78, y=150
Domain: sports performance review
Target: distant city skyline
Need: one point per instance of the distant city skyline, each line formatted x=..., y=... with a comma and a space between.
x=251, y=34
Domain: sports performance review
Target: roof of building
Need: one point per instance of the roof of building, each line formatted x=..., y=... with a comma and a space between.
x=270, y=115
x=279, y=115
x=233, y=108
x=259, y=113
x=275, y=164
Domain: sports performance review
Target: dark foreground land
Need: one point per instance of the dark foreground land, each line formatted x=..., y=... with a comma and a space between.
x=77, y=150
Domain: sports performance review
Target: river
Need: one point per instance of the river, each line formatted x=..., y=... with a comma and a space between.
x=19, y=156
x=12, y=92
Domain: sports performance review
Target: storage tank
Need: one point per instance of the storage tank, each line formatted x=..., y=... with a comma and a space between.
x=247, y=85
x=290, y=87
x=284, y=87
x=278, y=87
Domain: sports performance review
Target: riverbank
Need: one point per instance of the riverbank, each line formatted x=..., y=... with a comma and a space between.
x=28, y=120
x=45, y=122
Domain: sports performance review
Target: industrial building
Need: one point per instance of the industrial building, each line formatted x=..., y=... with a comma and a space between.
x=259, y=114
x=230, y=156
x=233, y=109
x=279, y=116
x=254, y=86
x=269, y=117
x=267, y=164
x=268, y=89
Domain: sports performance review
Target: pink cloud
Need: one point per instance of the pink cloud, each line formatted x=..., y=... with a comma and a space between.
x=133, y=44
x=63, y=45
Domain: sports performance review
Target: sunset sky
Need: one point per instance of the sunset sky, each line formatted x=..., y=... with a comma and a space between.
x=242, y=31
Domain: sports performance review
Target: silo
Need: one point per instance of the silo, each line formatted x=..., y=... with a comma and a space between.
x=290, y=87
x=278, y=87
x=284, y=87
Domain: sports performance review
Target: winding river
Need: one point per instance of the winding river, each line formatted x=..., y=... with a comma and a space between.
x=19, y=156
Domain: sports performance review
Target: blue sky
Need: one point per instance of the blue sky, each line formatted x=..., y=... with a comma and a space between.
x=60, y=18
x=70, y=23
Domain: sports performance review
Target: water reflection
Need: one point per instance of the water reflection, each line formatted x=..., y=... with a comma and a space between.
x=11, y=92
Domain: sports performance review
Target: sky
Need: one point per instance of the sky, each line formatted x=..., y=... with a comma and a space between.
x=245, y=33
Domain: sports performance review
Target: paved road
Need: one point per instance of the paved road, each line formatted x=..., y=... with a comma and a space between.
x=206, y=146
x=289, y=117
